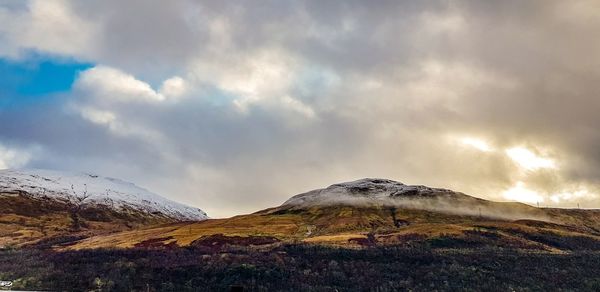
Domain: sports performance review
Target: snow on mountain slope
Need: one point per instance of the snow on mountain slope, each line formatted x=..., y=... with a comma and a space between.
x=99, y=190
x=370, y=190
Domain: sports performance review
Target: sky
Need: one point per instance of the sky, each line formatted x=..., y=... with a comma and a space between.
x=235, y=106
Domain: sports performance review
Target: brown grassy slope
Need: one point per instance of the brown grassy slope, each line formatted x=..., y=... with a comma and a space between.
x=26, y=220
x=359, y=226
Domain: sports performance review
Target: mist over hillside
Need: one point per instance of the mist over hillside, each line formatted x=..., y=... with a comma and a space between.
x=388, y=193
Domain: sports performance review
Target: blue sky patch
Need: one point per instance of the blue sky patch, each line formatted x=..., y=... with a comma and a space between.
x=37, y=76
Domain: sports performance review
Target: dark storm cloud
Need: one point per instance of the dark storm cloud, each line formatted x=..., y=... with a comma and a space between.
x=280, y=97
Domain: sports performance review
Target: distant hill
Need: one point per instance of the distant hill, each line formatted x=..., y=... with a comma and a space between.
x=48, y=207
x=375, y=212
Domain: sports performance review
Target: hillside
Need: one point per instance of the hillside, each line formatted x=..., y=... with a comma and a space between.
x=48, y=207
x=366, y=235
x=376, y=212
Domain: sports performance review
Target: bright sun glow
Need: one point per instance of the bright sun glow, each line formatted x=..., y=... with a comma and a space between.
x=477, y=144
x=528, y=160
x=522, y=194
x=569, y=196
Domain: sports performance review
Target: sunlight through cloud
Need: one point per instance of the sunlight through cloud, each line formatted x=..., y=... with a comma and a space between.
x=520, y=193
x=529, y=160
x=477, y=144
x=569, y=196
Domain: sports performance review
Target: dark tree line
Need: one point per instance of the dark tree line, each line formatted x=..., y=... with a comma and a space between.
x=300, y=268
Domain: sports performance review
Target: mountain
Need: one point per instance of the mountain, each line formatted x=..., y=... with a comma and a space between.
x=370, y=191
x=367, y=235
x=385, y=193
x=375, y=212
x=53, y=205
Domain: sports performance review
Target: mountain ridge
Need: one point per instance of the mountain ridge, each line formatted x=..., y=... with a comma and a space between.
x=430, y=217
x=92, y=189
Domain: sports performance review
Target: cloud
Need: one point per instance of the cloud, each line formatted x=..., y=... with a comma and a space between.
x=236, y=107
x=50, y=26
x=477, y=144
x=173, y=87
x=529, y=160
x=13, y=158
x=112, y=84
x=520, y=193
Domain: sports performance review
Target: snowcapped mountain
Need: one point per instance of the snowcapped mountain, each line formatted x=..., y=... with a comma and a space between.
x=371, y=190
x=90, y=189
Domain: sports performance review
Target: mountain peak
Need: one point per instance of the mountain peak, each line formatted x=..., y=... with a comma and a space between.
x=371, y=190
x=376, y=186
